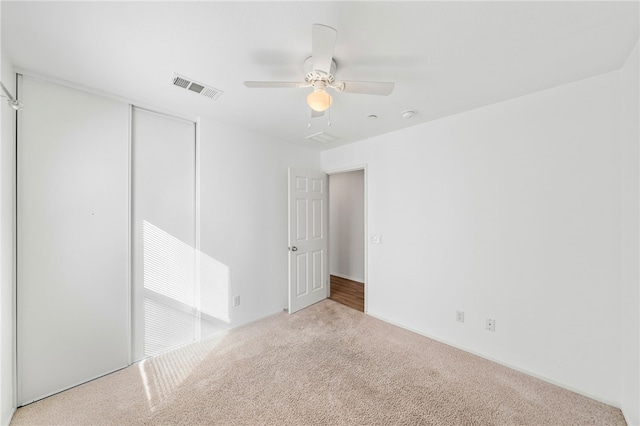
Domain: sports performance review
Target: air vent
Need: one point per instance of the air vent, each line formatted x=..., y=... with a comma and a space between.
x=321, y=137
x=178, y=81
x=202, y=89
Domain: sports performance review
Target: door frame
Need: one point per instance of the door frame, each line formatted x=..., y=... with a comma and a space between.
x=348, y=169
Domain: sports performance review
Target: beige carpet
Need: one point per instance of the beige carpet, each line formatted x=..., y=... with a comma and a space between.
x=325, y=365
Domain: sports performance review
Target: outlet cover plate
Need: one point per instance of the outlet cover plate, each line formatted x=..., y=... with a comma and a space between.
x=490, y=324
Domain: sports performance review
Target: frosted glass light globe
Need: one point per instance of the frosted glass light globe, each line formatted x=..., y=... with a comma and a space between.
x=319, y=100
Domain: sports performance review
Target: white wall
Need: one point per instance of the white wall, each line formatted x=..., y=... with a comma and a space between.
x=7, y=238
x=243, y=213
x=630, y=239
x=511, y=212
x=346, y=225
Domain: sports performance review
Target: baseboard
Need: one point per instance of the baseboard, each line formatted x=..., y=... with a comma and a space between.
x=7, y=421
x=231, y=328
x=213, y=336
x=347, y=277
x=244, y=324
x=506, y=364
x=627, y=419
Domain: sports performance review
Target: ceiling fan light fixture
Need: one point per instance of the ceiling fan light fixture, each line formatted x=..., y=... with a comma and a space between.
x=319, y=100
x=320, y=69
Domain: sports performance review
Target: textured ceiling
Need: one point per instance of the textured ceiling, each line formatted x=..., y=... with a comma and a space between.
x=445, y=57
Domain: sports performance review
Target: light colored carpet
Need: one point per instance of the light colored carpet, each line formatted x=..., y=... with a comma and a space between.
x=325, y=365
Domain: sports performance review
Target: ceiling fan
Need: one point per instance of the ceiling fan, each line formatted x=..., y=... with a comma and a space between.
x=320, y=69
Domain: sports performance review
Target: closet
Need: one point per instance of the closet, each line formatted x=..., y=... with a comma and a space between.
x=106, y=236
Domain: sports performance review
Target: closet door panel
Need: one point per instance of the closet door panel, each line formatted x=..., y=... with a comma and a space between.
x=166, y=298
x=73, y=243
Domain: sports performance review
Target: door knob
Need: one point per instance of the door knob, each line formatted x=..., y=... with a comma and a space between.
x=294, y=248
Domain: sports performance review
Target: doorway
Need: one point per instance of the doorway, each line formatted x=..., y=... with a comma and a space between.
x=347, y=241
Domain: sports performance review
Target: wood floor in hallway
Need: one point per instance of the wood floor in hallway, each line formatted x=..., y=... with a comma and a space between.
x=347, y=292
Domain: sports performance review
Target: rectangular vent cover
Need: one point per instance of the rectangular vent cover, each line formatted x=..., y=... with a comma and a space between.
x=321, y=137
x=202, y=89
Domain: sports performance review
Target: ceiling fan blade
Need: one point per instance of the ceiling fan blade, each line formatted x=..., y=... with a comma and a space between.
x=323, y=41
x=316, y=114
x=273, y=84
x=366, y=87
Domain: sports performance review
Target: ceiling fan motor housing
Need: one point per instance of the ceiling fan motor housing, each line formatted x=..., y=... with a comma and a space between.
x=311, y=75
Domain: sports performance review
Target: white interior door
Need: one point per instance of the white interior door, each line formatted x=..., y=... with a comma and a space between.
x=308, y=268
x=72, y=229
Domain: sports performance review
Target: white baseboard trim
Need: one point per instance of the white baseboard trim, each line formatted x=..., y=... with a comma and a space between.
x=506, y=364
x=217, y=334
x=627, y=419
x=7, y=421
x=244, y=324
x=347, y=277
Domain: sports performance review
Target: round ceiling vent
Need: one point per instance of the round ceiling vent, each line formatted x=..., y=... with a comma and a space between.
x=408, y=114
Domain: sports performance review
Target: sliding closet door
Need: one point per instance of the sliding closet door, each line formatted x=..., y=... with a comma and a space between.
x=166, y=298
x=73, y=287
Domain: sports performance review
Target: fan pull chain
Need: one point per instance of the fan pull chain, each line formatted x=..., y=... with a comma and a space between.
x=329, y=122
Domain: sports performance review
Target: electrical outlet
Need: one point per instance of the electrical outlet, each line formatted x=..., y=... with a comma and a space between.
x=460, y=316
x=236, y=300
x=490, y=324
x=376, y=239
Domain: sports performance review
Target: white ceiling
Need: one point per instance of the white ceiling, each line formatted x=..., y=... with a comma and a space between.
x=445, y=57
